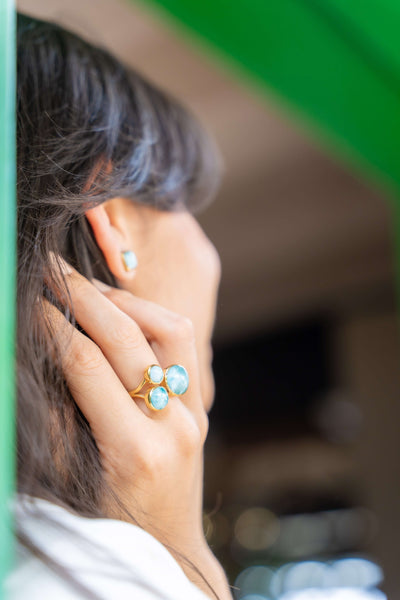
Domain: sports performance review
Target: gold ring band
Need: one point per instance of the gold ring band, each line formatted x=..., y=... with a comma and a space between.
x=157, y=384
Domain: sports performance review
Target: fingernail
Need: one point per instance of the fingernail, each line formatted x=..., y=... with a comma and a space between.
x=101, y=286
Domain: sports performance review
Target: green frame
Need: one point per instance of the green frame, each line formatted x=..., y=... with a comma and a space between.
x=7, y=278
x=335, y=63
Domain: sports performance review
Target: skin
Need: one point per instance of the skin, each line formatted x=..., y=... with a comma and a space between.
x=178, y=267
x=164, y=315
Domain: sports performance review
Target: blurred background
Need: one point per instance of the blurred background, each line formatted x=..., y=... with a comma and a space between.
x=302, y=460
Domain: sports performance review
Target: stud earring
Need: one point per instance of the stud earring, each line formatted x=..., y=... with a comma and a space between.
x=129, y=260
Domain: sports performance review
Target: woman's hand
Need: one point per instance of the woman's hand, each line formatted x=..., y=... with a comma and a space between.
x=152, y=460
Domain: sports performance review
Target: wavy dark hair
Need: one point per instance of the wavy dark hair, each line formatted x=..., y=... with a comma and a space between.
x=88, y=129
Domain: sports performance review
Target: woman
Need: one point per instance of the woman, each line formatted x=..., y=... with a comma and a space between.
x=114, y=276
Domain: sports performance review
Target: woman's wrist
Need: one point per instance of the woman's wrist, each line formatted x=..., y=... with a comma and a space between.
x=205, y=571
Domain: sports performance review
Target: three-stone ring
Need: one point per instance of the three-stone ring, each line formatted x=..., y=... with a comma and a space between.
x=158, y=384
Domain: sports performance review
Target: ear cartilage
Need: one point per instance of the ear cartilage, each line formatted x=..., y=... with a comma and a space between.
x=129, y=260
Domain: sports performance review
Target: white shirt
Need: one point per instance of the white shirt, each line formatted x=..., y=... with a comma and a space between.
x=113, y=559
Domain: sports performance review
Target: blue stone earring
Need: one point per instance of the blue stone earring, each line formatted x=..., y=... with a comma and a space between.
x=129, y=260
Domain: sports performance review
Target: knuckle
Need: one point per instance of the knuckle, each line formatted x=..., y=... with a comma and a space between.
x=203, y=426
x=146, y=462
x=177, y=327
x=125, y=334
x=183, y=328
x=190, y=439
x=118, y=296
x=150, y=463
x=85, y=355
x=113, y=294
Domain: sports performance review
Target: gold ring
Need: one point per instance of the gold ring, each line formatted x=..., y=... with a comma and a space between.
x=156, y=397
x=173, y=380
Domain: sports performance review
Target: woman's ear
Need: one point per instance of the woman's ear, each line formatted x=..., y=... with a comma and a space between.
x=110, y=239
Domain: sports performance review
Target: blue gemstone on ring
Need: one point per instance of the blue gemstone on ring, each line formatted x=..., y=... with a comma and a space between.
x=156, y=374
x=158, y=397
x=177, y=379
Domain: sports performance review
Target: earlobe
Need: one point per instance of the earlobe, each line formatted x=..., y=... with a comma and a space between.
x=120, y=261
x=129, y=260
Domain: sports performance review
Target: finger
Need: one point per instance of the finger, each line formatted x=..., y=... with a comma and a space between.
x=117, y=334
x=94, y=385
x=170, y=335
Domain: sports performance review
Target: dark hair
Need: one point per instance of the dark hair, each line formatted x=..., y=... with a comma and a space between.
x=88, y=129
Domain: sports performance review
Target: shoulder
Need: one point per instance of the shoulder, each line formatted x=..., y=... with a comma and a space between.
x=91, y=558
